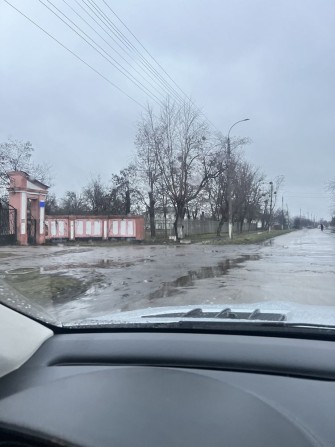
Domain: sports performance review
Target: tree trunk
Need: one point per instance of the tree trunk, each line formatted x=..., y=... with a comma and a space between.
x=218, y=231
x=152, y=223
x=165, y=226
x=152, y=215
x=127, y=210
x=178, y=223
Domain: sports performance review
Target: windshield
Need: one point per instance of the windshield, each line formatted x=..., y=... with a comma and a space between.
x=166, y=162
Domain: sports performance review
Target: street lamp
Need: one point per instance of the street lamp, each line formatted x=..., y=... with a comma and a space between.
x=272, y=193
x=229, y=192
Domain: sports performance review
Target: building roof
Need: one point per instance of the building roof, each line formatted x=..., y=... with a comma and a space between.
x=29, y=178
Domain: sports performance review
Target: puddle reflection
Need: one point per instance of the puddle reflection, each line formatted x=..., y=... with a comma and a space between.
x=187, y=281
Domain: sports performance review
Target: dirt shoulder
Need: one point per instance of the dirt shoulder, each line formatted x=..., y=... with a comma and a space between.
x=238, y=239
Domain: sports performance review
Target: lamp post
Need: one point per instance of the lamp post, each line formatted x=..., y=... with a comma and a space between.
x=229, y=189
x=272, y=193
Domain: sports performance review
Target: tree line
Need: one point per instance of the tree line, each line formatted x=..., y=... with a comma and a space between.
x=179, y=164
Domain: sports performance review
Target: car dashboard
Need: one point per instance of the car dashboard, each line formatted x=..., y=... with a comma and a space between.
x=157, y=388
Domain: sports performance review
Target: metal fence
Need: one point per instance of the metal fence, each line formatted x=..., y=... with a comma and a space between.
x=192, y=227
x=7, y=223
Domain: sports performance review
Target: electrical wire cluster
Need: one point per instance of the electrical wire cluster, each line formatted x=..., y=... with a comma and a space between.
x=99, y=27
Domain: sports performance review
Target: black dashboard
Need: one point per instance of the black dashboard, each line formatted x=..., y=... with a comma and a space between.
x=171, y=389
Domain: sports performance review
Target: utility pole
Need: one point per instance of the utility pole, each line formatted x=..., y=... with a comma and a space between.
x=229, y=188
x=230, y=199
x=282, y=212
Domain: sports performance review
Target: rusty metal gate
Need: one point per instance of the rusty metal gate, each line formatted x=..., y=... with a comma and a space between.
x=7, y=223
x=31, y=230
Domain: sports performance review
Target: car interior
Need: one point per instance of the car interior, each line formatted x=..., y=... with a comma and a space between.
x=108, y=387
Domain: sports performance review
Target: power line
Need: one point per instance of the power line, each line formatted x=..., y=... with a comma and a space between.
x=138, y=41
x=152, y=57
x=110, y=46
x=124, y=71
x=74, y=54
x=123, y=39
x=115, y=30
x=133, y=47
x=126, y=50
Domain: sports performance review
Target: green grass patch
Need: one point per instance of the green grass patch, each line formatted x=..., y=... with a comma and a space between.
x=254, y=237
x=42, y=288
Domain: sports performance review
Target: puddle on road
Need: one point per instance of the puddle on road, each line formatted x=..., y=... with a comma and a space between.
x=102, y=264
x=70, y=251
x=44, y=288
x=62, y=283
x=188, y=281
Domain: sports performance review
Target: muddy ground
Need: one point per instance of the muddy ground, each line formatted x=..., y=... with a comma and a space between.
x=72, y=283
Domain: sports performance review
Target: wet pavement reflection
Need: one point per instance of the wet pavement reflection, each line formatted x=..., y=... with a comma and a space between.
x=81, y=282
x=175, y=287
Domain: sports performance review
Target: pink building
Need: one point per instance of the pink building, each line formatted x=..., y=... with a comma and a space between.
x=28, y=196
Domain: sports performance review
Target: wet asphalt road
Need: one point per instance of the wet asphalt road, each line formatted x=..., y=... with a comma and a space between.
x=74, y=283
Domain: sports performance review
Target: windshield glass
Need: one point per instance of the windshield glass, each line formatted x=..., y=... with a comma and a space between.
x=166, y=162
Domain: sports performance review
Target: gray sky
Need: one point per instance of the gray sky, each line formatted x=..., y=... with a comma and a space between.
x=272, y=62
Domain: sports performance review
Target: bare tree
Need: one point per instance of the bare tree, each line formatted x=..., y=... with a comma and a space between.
x=72, y=203
x=183, y=155
x=51, y=204
x=248, y=194
x=217, y=188
x=269, y=196
x=149, y=138
x=95, y=196
x=16, y=155
x=198, y=207
x=125, y=190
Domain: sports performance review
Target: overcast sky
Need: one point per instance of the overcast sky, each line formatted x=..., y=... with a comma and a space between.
x=270, y=61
